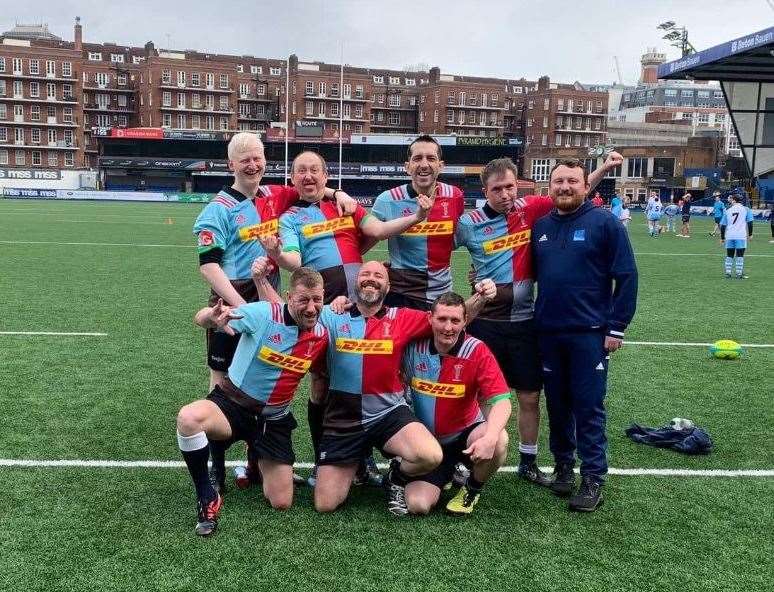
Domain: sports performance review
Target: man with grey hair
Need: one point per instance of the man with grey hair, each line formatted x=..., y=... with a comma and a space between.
x=228, y=231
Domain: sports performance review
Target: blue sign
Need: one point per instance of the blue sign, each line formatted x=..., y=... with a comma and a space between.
x=724, y=50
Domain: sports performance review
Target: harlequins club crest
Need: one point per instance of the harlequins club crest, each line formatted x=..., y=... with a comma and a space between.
x=457, y=372
x=386, y=330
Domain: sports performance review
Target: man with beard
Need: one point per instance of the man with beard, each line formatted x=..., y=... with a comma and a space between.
x=420, y=256
x=497, y=237
x=366, y=407
x=587, y=294
x=278, y=345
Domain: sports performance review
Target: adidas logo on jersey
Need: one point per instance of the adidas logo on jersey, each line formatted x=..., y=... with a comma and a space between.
x=543, y=238
x=421, y=367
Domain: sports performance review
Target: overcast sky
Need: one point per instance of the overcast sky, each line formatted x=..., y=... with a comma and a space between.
x=567, y=40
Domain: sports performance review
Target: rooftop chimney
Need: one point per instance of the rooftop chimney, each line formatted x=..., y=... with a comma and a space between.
x=78, y=35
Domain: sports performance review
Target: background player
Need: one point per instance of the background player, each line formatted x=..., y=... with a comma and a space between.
x=736, y=225
x=653, y=215
x=670, y=211
x=278, y=345
x=717, y=212
x=452, y=376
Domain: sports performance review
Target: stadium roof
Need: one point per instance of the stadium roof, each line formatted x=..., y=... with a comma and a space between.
x=746, y=59
x=30, y=32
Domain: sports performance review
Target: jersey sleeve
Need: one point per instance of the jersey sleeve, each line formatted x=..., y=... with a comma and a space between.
x=288, y=233
x=253, y=316
x=319, y=359
x=284, y=196
x=415, y=323
x=380, y=209
x=538, y=205
x=360, y=215
x=459, y=201
x=490, y=380
x=461, y=234
x=211, y=228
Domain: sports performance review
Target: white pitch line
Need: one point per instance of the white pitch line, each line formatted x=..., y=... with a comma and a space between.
x=53, y=333
x=177, y=464
x=691, y=344
x=4, y=242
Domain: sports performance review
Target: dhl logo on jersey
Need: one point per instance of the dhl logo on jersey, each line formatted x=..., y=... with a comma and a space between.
x=251, y=233
x=444, y=227
x=509, y=241
x=292, y=363
x=317, y=228
x=364, y=346
x=438, y=389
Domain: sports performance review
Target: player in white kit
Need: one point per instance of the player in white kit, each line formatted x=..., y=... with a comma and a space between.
x=736, y=226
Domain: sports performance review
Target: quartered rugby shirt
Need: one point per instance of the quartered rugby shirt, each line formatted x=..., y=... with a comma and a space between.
x=326, y=242
x=364, y=361
x=448, y=389
x=232, y=222
x=499, y=245
x=420, y=256
x=273, y=355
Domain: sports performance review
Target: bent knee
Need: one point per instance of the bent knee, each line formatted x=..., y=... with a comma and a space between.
x=281, y=502
x=188, y=421
x=419, y=505
x=325, y=506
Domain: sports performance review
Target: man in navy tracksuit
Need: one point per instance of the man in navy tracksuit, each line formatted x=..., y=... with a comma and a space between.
x=587, y=293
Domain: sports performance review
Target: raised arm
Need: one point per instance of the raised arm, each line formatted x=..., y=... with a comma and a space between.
x=613, y=160
x=376, y=229
x=266, y=291
x=485, y=290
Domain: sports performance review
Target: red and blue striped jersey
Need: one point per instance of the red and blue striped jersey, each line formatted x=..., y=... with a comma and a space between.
x=326, y=242
x=273, y=355
x=364, y=361
x=420, y=257
x=232, y=223
x=448, y=389
x=499, y=246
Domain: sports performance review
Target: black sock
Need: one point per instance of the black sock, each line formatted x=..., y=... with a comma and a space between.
x=527, y=459
x=474, y=485
x=196, y=461
x=314, y=414
x=218, y=456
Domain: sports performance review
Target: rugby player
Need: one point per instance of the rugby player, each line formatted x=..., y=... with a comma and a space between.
x=459, y=393
x=420, y=256
x=736, y=226
x=366, y=406
x=278, y=345
x=497, y=237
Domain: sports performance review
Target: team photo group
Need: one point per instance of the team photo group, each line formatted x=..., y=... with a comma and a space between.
x=397, y=361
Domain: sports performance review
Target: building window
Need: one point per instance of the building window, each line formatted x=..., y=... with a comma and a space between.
x=3, y=134
x=166, y=120
x=51, y=91
x=35, y=67
x=244, y=90
x=34, y=89
x=181, y=78
x=69, y=159
x=136, y=59
x=394, y=100
x=53, y=159
x=181, y=100
x=2, y=88
x=3, y=111
x=18, y=93
x=223, y=81
x=181, y=121
x=321, y=109
x=210, y=102
x=450, y=117
x=2, y=69
x=358, y=111
x=309, y=88
x=196, y=121
x=67, y=115
x=323, y=88
x=122, y=120
x=378, y=79
x=37, y=158
x=309, y=108
x=95, y=56
x=544, y=140
x=541, y=169
x=335, y=110
x=256, y=70
x=210, y=79
x=3, y=156
x=347, y=91
x=615, y=173
x=103, y=120
x=335, y=89
x=195, y=79
x=17, y=66
x=411, y=82
x=35, y=113
x=117, y=58
x=20, y=158
x=670, y=92
x=35, y=135
x=196, y=101
x=209, y=122
x=223, y=103
x=122, y=101
x=102, y=79
x=224, y=123
x=637, y=168
x=260, y=90
x=166, y=99
x=359, y=94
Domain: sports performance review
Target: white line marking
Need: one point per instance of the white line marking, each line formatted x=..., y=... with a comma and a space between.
x=177, y=464
x=691, y=344
x=97, y=244
x=53, y=333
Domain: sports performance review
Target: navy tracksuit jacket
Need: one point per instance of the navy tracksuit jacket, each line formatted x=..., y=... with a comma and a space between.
x=587, y=289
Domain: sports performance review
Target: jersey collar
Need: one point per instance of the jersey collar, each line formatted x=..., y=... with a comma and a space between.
x=355, y=312
x=289, y=320
x=455, y=348
x=231, y=192
x=490, y=212
x=412, y=193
